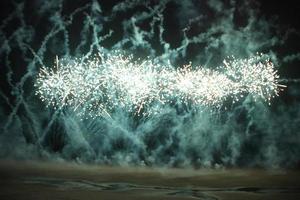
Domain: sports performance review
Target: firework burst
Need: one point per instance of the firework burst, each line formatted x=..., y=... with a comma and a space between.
x=101, y=84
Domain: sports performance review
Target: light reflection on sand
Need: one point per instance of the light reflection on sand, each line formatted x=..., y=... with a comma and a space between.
x=37, y=180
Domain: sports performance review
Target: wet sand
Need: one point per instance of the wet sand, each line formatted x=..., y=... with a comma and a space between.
x=42, y=180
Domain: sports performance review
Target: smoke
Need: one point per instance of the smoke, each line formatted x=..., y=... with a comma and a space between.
x=249, y=133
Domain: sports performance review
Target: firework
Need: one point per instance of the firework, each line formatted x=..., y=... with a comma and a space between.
x=107, y=82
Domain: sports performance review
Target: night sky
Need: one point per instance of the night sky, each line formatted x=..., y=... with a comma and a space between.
x=247, y=134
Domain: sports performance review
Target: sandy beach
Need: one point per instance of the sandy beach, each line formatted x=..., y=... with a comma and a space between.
x=43, y=180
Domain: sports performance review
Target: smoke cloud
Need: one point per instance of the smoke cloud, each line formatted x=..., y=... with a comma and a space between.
x=248, y=134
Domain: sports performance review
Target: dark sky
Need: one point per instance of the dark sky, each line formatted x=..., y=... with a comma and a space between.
x=248, y=134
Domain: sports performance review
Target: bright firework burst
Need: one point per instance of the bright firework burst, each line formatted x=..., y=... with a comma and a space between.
x=99, y=85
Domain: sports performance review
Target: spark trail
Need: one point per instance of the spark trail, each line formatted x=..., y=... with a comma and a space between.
x=99, y=85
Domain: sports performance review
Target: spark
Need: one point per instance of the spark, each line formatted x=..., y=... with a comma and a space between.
x=99, y=85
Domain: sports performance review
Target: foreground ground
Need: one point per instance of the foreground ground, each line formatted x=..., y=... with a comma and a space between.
x=38, y=180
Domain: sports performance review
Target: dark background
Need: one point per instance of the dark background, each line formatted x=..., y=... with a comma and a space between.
x=248, y=134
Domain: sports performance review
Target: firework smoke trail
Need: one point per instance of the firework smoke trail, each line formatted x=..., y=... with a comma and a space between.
x=99, y=85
